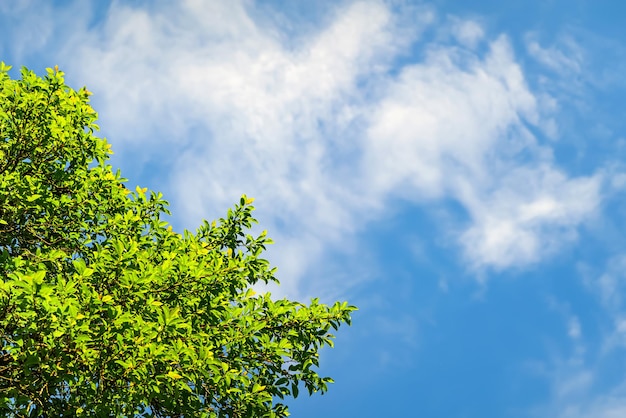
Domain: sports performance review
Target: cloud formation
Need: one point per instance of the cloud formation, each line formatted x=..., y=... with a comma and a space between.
x=326, y=127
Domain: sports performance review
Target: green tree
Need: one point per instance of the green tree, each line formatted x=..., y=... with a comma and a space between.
x=105, y=311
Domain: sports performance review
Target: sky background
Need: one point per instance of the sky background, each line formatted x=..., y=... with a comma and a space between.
x=455, y=169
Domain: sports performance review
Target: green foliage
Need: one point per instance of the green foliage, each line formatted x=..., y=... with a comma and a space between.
x=105, y=311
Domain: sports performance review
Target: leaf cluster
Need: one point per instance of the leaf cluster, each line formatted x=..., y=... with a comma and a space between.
x=105, y=310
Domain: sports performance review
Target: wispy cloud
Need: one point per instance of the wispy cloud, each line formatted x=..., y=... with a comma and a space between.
x=456, y=126
x=468, y=32
x=565, y=57
x=590, y=381
x=326, y=126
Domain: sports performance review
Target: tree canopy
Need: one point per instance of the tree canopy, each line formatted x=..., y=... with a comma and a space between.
x=105, y=310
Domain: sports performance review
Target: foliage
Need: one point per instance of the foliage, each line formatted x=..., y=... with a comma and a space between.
x=105, y=311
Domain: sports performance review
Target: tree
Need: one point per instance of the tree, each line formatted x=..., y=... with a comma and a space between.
x=105, y=310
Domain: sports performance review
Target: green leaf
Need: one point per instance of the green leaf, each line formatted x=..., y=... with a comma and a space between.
x=79, y=265
x=174, y=375
x=108, y=302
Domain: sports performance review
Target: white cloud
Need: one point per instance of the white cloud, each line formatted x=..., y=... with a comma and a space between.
x=439, y=116
x=574, y=329
x=531, y=215
x=468, y=32
x=322, y=128
x=24, y=38
x=457, y=129
x=609, y=285
x=581, y=384
x=565, y=57
x=577, y=392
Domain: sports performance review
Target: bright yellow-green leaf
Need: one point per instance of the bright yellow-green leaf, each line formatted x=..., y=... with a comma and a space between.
x=99, y=292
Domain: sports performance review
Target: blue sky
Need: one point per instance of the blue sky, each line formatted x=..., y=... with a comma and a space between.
x=455, y=169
